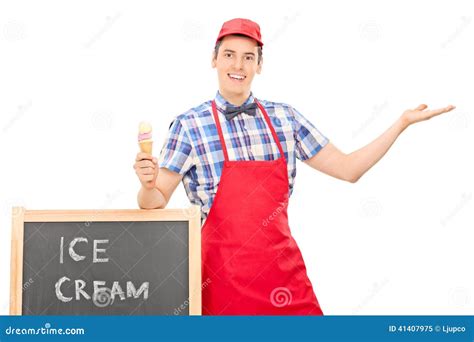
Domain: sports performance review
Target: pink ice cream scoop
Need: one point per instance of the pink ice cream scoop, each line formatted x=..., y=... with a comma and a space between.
x=145, y=137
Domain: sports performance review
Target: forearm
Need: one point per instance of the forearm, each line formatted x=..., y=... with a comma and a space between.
x=359, y=162
x=151, y=199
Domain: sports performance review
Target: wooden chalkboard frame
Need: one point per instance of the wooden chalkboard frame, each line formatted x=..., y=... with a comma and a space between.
x=20, y=216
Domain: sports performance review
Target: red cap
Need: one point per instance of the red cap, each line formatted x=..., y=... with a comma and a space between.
x=241, y=26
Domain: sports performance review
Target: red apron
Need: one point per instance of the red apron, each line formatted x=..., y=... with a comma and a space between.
x=251, y=264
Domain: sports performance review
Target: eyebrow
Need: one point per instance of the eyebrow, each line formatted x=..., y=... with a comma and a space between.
x=245, y=53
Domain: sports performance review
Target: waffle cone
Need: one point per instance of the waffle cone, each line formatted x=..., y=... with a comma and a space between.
x=146, y=146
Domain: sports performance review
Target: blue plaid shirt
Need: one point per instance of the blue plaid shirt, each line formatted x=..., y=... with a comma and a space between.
x=192, y=147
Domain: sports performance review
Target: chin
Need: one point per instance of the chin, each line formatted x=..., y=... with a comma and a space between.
x=237, y=90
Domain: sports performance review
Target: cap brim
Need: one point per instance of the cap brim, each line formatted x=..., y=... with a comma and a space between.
x=243, y=34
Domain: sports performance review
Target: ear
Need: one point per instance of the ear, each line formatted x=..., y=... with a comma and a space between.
x=213, y=60
x=259, y=68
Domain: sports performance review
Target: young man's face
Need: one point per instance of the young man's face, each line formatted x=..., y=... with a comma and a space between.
x=237, y=64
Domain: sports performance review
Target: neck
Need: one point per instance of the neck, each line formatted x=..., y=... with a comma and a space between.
x=235, y=99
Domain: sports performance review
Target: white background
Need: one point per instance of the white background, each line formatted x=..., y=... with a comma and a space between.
x=77, y=77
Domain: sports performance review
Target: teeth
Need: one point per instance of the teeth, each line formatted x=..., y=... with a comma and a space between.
x=237, y=77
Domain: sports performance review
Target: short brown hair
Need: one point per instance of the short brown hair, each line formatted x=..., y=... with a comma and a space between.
x=219, y=43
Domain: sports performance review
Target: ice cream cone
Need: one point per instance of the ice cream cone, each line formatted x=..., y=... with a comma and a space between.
x=146, y=146
x=145, y=140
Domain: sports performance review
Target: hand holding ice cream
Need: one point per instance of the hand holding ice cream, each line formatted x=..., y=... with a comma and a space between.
x=146, y=166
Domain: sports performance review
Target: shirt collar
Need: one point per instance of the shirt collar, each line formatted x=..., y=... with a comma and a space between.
x=222, y=103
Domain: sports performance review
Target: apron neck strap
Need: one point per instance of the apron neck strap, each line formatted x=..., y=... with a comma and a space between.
x=267, y=119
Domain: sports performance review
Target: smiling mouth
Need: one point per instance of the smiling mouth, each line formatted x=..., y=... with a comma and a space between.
x=237, y=77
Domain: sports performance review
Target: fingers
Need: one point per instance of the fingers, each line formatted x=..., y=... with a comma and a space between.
x=445, y=109
x=147, y=176
x=440, y=110
x=144, y=156
x=421, y=107
x=145, y=160
x=146, y=168
x=450, y=108
x=147, y=171
x=145, y=164
x=432, y=113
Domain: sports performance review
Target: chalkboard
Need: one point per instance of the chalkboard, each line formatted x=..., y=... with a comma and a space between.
x=106, y=262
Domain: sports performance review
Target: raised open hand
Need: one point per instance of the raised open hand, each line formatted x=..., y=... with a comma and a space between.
x=420, y=113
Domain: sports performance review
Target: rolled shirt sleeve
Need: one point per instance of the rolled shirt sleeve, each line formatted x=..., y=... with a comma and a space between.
x=177, y=152
x=308, y=139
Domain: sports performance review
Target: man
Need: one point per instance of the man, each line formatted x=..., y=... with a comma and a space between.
x=236, y=156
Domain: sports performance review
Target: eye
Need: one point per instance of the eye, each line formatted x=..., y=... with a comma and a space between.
x=227, y=54
x=249, y=58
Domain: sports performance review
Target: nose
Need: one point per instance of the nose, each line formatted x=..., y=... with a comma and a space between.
x=238, y=64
